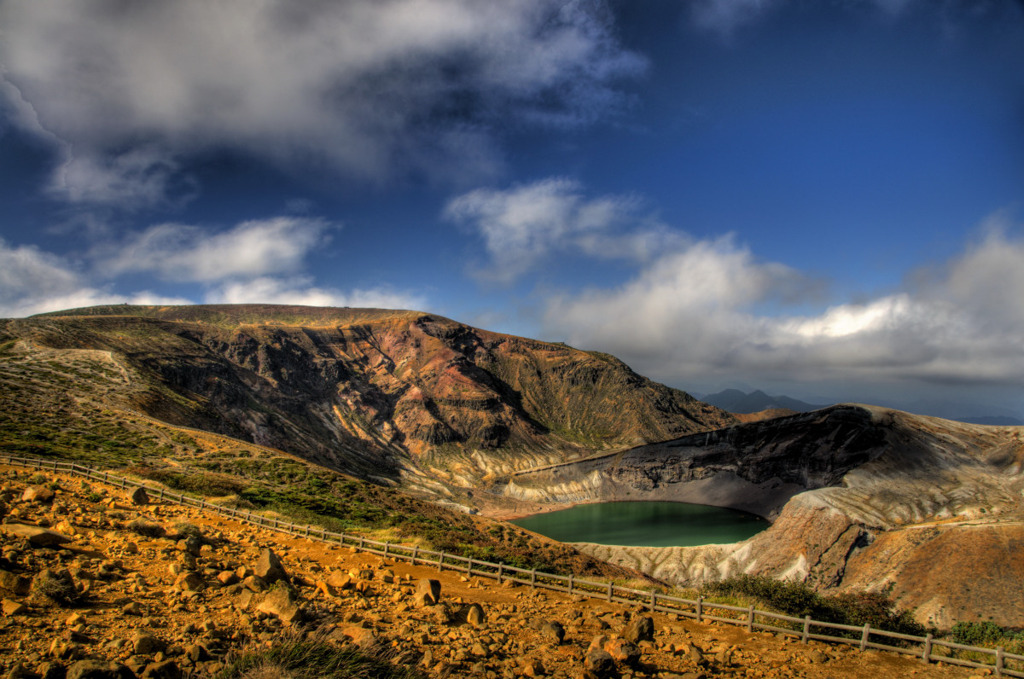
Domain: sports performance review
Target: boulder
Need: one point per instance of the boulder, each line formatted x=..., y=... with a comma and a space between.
x=339, y=580
x=37, y=494
x=166, y=669
x=361, y=637
x=189, y=582
x=280, y=602
x=146, y=644
x=475, y=615
x=12, y=583
x=12, y=608
x=139, y=496
x=98, y=669
x=552, y=631
x=428, y=592
x=269, y=567
x=600, y=664
x=641, y=628
x=37, y=536
x=531, y=667
x=623, y=651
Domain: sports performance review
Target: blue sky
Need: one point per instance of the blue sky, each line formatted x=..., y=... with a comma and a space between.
x=821, y=198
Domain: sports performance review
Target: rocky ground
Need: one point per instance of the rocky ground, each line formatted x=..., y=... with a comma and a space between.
x=96, y=584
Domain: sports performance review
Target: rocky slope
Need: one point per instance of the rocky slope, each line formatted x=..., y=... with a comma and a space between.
x=862, y=498
x=384, y=394
x=95, y=583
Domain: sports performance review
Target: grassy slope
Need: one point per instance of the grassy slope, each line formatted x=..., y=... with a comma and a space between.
x=80, y=405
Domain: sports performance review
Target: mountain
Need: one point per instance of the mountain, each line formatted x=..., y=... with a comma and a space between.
x=861, y=498
x=735, y=401
x=395, y=396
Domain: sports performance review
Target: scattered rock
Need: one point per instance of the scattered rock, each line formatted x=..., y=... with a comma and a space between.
x=189, y=582
x=133, y=608
x=146, y=644
x=37, y=494
x=361, y=637
x=166, y=669
x=12, y=583
x=600, y=664
x=531, y=667
x=428, y=592
x=641, y=628
x=623, y=651
x=139, y=496
x=339, y=581
x=97, y=669
x=553, y=631
x=475, y=615
x=12, y=608
x=269, y=567
x=37, y=536
x=817, y=656
x=280, y=602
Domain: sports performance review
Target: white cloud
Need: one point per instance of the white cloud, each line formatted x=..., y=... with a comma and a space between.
x=301, y=290
x=33, y=281
x=696, y=315
x=361, y=85
x=141, y=177
x=520, y=226
x=178, y=252
x=259, y=261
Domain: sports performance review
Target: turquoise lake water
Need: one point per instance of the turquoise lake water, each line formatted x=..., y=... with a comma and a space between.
x=648, y=524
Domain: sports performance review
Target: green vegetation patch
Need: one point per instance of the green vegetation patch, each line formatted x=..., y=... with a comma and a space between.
x=799, y=600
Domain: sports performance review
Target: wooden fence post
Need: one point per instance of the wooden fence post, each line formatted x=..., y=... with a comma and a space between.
x=533, y=578
x=750, y=618
x=999, y=661
x=610, y=587
x=570, y=583
x=807, y=630
x=654, y=600
x=700, y=607
x=864, y=636
x=386, y=543
x=926, y=656
x=501, y=571
x=440, y=562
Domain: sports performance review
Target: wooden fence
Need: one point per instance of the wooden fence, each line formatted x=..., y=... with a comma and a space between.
x=927, y=648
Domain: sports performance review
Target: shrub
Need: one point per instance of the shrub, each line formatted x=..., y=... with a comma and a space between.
x=183, y=530
x=146, y=528
x=58, y=587
x=981, y=633
x=312, y=657
x=798, y=599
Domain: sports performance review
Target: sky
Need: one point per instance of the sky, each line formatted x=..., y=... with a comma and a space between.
x=818, y=198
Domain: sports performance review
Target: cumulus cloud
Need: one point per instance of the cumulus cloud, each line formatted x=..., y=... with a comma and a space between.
x=33, y=281
x=179, y=252
x=141, y=177
x=698, y=314
x=302, y=290
x=260, y=261
x=360, y=85
x=520, y=226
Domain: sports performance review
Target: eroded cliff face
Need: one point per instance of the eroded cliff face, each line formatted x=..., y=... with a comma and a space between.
x=925, y=509
x=378, y=393
x=755, y=467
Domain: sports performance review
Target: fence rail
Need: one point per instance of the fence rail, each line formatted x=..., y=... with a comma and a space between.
x=928, y=648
